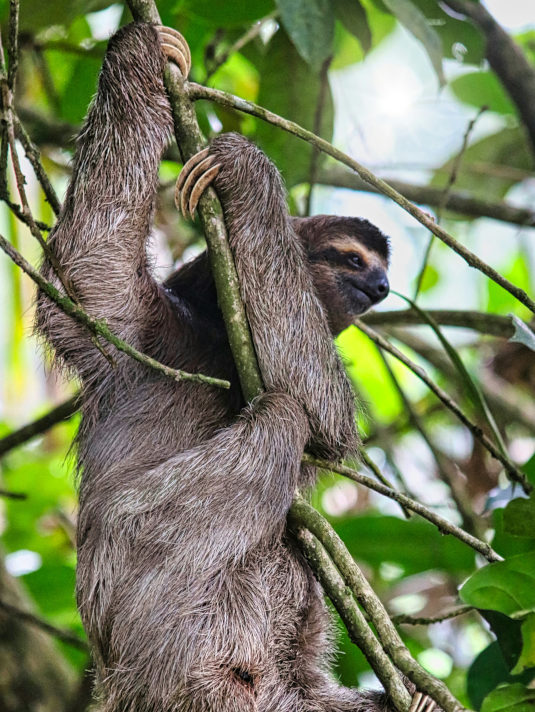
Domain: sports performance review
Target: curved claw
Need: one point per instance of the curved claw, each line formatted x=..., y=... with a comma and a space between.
x=195, y=177
x=201, y=185
x=175, y=48
x=422, y=703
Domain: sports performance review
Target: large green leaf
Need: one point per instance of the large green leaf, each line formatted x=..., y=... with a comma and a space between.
x=416, y=22
x=527, y=654
x=510, y=698
x=461, y=40
x=492, y=165
x=226, y=14
x=288, y=87
x=519, y=518
x=482, y=89
x=488, y=670
x=507, y=586
x=352, y=15
x=310, y=25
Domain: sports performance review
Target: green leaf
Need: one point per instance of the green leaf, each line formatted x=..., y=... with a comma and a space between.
x=486, y=672
x=527, y=656
x=485, y=170
x=523, y=334
x=227, y=14
x=310, y=25
x=510, y=698
x=417, y=24
x=519, y=518
x=353, y=17
x=507, y=586
x=482, y=89
x=508, y=633
x=295, y=98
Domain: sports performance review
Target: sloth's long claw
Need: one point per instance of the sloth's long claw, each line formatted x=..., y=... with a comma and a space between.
x=415, y=701
x=422, y=703
x=194, y=178
x=175, y=48
x=193, y=161
x=200, y=186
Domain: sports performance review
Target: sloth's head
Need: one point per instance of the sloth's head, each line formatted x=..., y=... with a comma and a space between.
x=349, y=261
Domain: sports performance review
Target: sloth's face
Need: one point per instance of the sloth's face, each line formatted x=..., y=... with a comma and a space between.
x=349, y=262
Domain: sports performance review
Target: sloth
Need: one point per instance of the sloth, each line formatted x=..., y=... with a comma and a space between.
x=192, y=592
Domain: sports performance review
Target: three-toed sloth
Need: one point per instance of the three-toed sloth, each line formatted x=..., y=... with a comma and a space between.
x=192, y=593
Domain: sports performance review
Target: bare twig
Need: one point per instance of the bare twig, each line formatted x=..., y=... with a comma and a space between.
x=13, y=495
x=61, y=412
x=460, y=202
x=196, y=92
x=443, y=525
x=456, y=164
x=402, y=619
x=99, y=327
x=492, y=324
x=514, y=473
x=247, y=37
x=64, y=635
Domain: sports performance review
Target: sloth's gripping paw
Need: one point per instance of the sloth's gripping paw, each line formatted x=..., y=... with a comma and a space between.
x=193, y=180
x=422, y=703
x=175, y=48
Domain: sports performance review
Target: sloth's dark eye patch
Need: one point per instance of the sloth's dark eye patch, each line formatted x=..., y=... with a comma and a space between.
x=356, y=260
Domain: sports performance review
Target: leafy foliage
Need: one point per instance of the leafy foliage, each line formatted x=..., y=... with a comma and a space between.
x=415, y=568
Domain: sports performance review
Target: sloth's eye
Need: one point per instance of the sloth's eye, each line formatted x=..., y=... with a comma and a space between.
x=356, y=261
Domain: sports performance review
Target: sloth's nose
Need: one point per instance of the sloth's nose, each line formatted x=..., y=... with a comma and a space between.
x=379, y=287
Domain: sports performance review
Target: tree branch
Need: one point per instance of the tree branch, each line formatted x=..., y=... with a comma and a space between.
x=196, y=91
x=492, y=324
x=366, y=597
x=459, y=202
x=443, y=525
x=99, y=327
x=514, y=473
x=507, y=60
x=357, y=626
x=64, y=635
x=61, y=412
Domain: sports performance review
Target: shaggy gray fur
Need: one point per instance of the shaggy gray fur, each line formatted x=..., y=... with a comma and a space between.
x=193, y=597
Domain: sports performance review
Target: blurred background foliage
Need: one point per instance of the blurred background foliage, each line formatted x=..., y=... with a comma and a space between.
x=403, y=86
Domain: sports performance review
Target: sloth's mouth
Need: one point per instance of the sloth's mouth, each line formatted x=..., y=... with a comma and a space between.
x=361, y=301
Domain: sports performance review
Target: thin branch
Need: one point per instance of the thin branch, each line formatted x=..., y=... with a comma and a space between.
x=367, y=598
x=34, y=156
x=359, y=631
x=443, y=525
x=514, y=473
x=64, y=635
x=370, y=464
x=446, y=471
x=196, y=92
x=456, y=164
x=61, y=412
x=247, y=37
x=492, y=324
x=460, y=202
x=98, y=327
x=12, y=495
x=402, y=619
